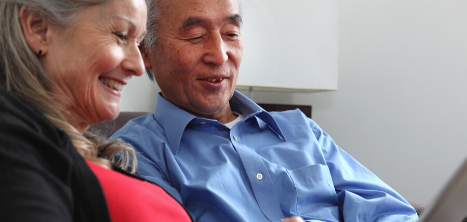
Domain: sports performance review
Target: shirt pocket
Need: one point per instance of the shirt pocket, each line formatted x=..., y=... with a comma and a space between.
x=316, y=197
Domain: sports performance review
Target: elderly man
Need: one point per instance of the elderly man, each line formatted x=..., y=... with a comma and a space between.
x=224, y=157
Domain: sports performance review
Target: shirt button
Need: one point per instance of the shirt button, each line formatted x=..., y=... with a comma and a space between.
x=202, y=123
x=259, y=176
x=235, y=138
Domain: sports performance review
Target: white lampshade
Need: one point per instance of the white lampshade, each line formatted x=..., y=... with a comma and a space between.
x=289, y=45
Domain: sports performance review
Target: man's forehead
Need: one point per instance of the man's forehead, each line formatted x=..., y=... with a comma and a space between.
x=186, y=9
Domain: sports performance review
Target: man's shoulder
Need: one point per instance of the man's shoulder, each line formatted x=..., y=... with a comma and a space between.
x=142, y=125
x=291, y=117
x=290, y=121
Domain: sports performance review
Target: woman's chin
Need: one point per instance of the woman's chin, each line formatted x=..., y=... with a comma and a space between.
x=108, y=113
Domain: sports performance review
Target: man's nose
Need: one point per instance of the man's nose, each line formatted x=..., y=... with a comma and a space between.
x=215, y=50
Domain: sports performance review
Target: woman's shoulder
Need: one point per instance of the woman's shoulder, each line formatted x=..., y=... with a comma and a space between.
x=15, y=109
x=24, y=129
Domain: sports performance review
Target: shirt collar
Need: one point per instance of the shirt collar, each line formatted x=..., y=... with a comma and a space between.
x=174, y=120
x=249, y=108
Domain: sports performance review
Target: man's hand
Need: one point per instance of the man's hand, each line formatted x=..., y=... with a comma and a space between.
x=293, y=219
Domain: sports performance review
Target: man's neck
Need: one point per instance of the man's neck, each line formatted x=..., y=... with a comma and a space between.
x=224, y=116
x=229, y=118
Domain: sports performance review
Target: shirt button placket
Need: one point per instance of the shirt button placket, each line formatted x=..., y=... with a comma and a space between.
x=258, y=178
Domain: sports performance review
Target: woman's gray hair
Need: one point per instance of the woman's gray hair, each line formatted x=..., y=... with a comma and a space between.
x=17, y=57
x=22, y=73
x=151, y=27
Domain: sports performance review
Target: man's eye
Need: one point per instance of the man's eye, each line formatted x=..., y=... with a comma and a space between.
x=196, y=39
x=232, y=35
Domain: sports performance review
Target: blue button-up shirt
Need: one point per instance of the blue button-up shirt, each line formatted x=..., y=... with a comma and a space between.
x=269, y=166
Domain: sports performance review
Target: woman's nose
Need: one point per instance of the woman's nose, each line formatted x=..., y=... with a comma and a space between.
x=133, y=61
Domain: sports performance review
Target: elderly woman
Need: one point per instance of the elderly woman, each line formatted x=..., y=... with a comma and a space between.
x=63, y=64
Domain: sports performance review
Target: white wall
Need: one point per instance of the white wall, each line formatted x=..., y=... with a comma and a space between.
x=139, y=95
x=401, y=106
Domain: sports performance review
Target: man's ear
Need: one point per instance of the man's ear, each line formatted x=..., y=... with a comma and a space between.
x=145, y=56
x=35, y=30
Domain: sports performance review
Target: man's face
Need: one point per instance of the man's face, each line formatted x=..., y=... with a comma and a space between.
x=197, y=55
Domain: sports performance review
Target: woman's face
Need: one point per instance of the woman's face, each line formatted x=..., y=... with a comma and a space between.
x=89, y=61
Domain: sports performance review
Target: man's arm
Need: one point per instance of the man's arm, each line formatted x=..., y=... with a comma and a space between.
x=363, y=196
x=144, y=142
x=150, y=171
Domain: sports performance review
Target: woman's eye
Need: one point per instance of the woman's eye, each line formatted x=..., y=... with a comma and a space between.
x=120, y=36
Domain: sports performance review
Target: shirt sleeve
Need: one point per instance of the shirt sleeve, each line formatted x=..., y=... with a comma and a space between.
x=34, y=174
x=363, y=196
x=150, y=171
x=142, y=139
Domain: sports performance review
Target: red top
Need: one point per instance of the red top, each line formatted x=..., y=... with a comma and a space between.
x=130, y=199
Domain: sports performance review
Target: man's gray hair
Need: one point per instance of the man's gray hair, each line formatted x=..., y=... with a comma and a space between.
x=151, y=27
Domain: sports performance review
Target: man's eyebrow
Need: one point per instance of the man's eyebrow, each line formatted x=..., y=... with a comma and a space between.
x=192, y=21
x=236, y=18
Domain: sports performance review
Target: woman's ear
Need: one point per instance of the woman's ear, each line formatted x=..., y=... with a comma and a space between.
x=35, y=30
x=145, y=56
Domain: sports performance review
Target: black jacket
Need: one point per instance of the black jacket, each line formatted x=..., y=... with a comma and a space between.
x=42, y=176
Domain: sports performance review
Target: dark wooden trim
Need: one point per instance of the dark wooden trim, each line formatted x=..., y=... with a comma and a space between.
x=281, y=107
